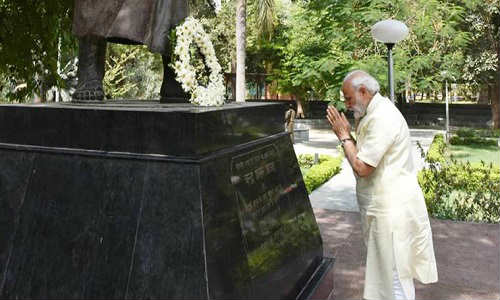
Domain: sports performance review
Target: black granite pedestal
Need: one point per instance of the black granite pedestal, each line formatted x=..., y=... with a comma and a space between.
x=148, y=200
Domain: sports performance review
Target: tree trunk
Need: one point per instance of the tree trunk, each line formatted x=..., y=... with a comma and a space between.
x=495, y=99
x=271, y=90
x=495, y=102
x=484, y=94
x=240, y=50
x=408, y=90
x=233, y=79
x=495, y=113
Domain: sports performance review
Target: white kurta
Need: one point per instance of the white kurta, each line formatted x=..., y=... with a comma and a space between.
x=393, y=212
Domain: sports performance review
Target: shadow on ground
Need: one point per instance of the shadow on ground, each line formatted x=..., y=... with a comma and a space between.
x=467, y=256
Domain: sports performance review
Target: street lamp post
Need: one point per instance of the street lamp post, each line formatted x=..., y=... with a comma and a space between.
x=447, y=76
x=390, y=74
x=389, y=32
x=447, y=124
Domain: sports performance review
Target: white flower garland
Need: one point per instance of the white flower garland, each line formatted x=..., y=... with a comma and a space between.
x=213, y=94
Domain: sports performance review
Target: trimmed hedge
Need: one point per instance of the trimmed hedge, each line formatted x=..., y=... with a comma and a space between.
x=435, y=154
x=473, y=140
x=459, y=191
x=470, y=132
x=327, y=167
x=469, y=136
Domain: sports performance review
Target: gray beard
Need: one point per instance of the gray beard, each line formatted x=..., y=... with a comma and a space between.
x=359, y=111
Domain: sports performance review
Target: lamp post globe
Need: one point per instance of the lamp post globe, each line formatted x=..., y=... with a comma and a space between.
x=389, y=32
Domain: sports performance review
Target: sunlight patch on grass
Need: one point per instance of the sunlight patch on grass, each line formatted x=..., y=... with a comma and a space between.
x=475, y=153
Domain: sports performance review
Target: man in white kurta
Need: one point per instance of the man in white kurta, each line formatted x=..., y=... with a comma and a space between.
x=394, y=217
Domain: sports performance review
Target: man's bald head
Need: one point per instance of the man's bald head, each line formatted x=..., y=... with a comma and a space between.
x=359, y=78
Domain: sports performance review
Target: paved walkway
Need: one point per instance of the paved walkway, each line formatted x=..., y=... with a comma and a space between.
x=467, y=254
x=467, y=259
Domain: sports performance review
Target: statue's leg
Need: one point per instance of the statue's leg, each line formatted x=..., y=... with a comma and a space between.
x=171, y=90
x=91, y=59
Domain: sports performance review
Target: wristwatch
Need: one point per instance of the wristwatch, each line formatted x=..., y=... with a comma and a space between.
x=343, y=141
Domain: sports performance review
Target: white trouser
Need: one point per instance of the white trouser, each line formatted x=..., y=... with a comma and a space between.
x=398, y=293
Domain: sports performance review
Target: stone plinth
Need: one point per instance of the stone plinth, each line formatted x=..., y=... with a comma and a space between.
x=149, y=200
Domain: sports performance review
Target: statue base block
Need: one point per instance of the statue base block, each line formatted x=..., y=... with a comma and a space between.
x=149, y=200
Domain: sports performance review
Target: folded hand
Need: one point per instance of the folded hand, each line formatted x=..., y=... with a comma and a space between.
x=340, y=126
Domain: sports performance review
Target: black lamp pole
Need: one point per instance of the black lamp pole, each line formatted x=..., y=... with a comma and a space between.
x=391, y=70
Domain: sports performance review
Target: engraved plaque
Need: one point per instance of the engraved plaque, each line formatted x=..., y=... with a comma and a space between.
x=270, y=222
x=259, y=190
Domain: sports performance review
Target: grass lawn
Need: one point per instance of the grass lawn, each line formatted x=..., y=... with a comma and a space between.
x=475, y=153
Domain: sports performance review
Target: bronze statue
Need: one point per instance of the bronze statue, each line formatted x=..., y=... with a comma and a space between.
x=145, y=22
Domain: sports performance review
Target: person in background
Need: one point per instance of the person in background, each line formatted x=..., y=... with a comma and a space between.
x=394, y=219
x=290, y=120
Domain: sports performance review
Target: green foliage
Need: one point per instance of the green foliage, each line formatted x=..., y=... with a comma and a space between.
x=472, y=132
x=313, y=57
x=465, y=132
x=263, y=21
x=473, y=140
x=221, y=28
x=481, y=56
x=436, y=151
x=323, y=40
x=116, y=82
x=134, y=72
x=469, y=136
x=489, y=132
x=307, y=46
x=145, y=72
x=30, y=34
x=318, y=174
x=5, y=87
x=266, y=17
x=460, y=191
x=307, y=160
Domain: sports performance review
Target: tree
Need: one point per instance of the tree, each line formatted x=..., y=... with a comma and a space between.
x=312, y=59
x=29, y=36
x=326, y=39
x=30, y=32
x=265, y=19
x=240, y=49
x=266, y=12
x=482, y=65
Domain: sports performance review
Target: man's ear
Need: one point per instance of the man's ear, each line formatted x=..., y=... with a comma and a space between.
x=362, y=89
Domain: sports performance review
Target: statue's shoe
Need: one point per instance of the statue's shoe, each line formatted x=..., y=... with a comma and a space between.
x=89, y=91
x=171, y=91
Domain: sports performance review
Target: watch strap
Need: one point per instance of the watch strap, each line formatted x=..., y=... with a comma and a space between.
x=345, y=140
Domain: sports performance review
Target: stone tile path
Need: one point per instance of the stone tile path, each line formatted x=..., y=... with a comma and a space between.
x=467, y=257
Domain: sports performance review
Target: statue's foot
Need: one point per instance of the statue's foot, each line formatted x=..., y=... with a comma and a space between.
x=89, y=91
x=172, y=92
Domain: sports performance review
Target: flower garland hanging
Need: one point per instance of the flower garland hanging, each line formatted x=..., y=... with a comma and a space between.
x=213, y=94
